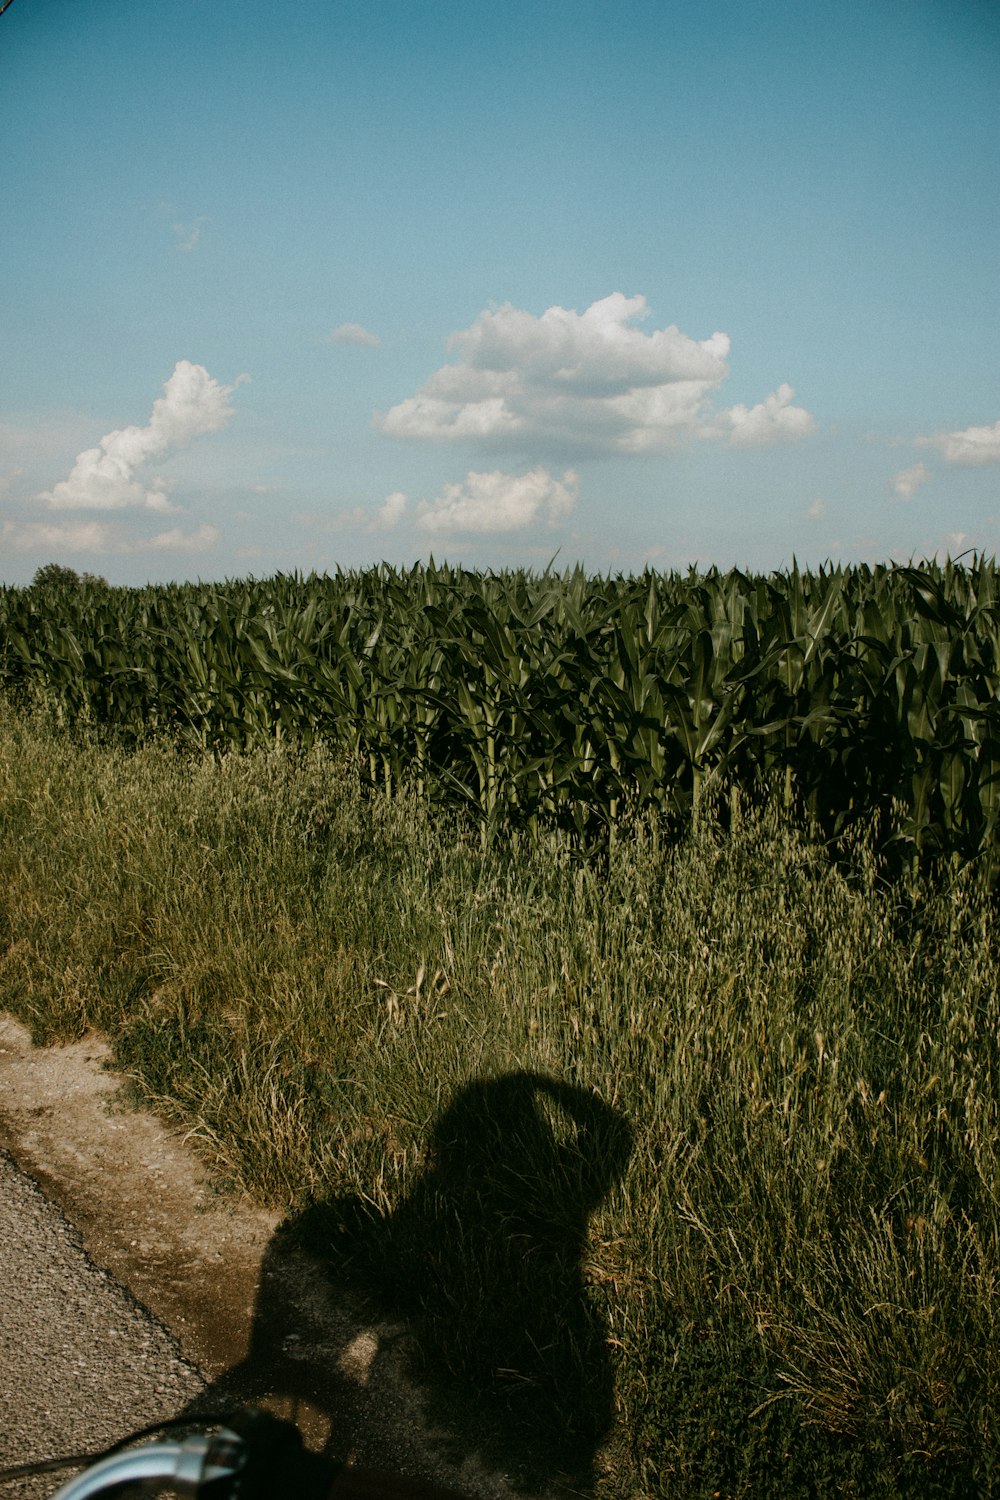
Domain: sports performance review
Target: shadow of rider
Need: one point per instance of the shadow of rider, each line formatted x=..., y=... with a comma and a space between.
x=485, y=1260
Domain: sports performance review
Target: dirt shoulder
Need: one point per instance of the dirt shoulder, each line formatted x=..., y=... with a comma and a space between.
x=139, y=1197
x=205, y=1267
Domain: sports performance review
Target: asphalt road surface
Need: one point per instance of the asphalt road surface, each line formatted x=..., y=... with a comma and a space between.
x=81, y=1363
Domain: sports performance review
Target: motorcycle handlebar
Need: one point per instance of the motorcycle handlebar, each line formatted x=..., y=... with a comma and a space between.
x=255, y=1456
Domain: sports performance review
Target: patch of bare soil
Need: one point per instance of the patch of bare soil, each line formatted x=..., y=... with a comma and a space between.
x=262, y=1324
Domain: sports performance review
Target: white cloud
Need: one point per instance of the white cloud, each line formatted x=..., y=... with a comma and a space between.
x=105, y=477
x=816, y=509
x=176, y=540
x=590, y=382
x=390, y=512
x=62, y=536
x=973, y=446
x=595, y=352
x=773, y=420
x=906, y=482
x=500, y=502
x=355, y=333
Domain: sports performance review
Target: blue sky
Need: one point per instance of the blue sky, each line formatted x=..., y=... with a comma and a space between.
x=292, y=287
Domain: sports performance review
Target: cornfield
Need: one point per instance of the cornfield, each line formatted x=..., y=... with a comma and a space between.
x=532, y=699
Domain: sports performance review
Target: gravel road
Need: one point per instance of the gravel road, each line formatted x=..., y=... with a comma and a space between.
x=81, y=1363
x=142, y=1243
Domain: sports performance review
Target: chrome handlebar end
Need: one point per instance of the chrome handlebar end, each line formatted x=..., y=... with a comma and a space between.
x=198, y=1466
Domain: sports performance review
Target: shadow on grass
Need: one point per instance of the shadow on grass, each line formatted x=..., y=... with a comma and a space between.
x=478, y=1274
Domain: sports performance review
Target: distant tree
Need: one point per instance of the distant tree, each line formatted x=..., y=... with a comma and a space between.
x=57, y=573
x=54, y=573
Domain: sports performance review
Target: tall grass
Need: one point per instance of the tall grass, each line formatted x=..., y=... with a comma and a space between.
x=797, y=1271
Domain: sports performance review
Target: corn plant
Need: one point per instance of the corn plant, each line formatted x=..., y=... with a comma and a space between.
x=530, y=700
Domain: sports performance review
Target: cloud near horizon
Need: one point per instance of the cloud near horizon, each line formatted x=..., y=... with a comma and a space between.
x=105, y=477
x=355, y=333
x=102, y=538
x=973, y=447
x=390, y=512
x=588, y=382
x=498, y=502
x=905, y=484
x=388, y=515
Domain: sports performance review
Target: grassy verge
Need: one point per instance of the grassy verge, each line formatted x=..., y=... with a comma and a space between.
x=689, y=1159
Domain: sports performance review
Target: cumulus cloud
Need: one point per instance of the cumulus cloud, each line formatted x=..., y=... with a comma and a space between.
x=773, y=420
x=355, y=333
x=816, y=509
x=590, y=381
x=390, y=512
x=483, y=503
x=906, y=482
x=973, y=446
x=106, y=477
x=497, y=502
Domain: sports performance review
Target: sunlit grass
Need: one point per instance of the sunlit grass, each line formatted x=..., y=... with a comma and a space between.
x=802, y=1256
